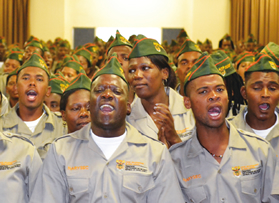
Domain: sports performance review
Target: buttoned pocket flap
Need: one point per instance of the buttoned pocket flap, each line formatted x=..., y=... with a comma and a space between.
x=78, y=185
x=138, y=183
x=251, y=185
x=196, y=194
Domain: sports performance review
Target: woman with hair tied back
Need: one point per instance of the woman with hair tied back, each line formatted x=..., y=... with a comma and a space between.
x=157, y=111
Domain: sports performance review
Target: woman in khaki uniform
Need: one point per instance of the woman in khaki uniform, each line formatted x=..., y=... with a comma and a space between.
x=158, y=109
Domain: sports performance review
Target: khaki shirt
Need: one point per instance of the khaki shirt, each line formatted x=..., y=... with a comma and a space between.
x=48, y=129
x=3, y=79
x=183, y=118
x=4, y=106
x=245, y=173
x=19, y=166
x=273, y=136
x=76, y=170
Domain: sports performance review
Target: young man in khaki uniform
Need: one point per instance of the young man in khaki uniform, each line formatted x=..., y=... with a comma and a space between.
x=107, y=160
x=261, y=90
x=219, y=163
x=30, y=118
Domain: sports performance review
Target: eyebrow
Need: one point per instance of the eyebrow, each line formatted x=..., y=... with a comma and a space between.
x=206, y=87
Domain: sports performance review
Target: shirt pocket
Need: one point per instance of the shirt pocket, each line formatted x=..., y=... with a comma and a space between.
x=78, y=188
x=251, y=184
x=195, y=194
x=139, y=183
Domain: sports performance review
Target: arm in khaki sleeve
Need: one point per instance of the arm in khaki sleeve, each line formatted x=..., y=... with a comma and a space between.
x=51, y=184
x=268, y=177
x=34, y=167
x=275, y=186
x=166, y=188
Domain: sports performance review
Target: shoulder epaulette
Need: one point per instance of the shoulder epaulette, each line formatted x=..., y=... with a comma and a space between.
x=64, y=136
x=13, y=135
x=58, y=114
x=249, y=134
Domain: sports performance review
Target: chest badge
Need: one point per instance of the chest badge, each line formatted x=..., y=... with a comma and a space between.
x=120, y=164
x=236, y=171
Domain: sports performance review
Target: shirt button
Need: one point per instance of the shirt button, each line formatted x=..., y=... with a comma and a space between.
x=255, y=190
x=105, y=195
x=223, y=199
x=140, y=188
x=71, y=189
x=191, y=200
x=219, y=171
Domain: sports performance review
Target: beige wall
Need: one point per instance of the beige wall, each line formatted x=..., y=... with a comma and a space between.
x=200, y=18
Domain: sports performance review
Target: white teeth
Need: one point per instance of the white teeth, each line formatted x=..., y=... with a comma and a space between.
x=214, y=114
x=106, y=105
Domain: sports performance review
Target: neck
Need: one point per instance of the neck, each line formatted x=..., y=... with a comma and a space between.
x=257, y=124
x=27, y=114
x=105, y=131
x=13, y=102
x=215, y=140
x=131, y=95
x=149, y=103
x=181, y=91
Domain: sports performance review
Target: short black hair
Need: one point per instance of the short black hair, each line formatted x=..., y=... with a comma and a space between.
x=65, y=97
x=162, y=62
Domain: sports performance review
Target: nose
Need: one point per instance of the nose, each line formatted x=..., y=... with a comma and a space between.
x=265, y=92
x=137, y=74
x=213, y=96
x=107, y=94
x=84, y=113
x=32, y=81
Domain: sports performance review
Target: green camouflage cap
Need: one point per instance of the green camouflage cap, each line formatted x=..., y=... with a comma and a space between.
x=251, y=39
x=244, y=57
x=93, y=48
x=34, y=42
x=81, y=81
x=207, y=41
x=223, y=63
x=111, y=38
x=57, y=40
x=58, y=85
x=227, y=37
x=182, y=33
x=58, y=66
x=64, y=43
x=15, y=54
x=199, y=42
x=119, y=41
x=147, y=47
x=74, y=65
x=272, y=50
x=68, y=57
x=35, y=60
x=230, y=53
x=45, y=48
x=3, y=40
x=263, y=62
x=188, y=46
x=172, y=65
x=203, y=66
x=173, y=43
x=14, y=72
x=78, y=47
x=86, y=54
x=111, y=67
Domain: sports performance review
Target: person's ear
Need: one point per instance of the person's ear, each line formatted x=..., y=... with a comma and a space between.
x=187, y=102
x=63, y=113
x=165, y=73
x=128, y=108
x=243, y=92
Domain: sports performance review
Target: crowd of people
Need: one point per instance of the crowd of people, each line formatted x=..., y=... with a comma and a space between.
x=139, y=121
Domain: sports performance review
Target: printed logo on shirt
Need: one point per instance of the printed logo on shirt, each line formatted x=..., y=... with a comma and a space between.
x=183, y=133
x=77, y=168
x=192, y=178
x=120, y=164
x=246, y=170
x=9, y=165
x=131, y=166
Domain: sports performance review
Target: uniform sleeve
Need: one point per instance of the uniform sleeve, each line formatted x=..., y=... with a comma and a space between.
x=275, y=186
x=35, y=164
x=268, y=177
x=51, y=184
x=166, y=188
